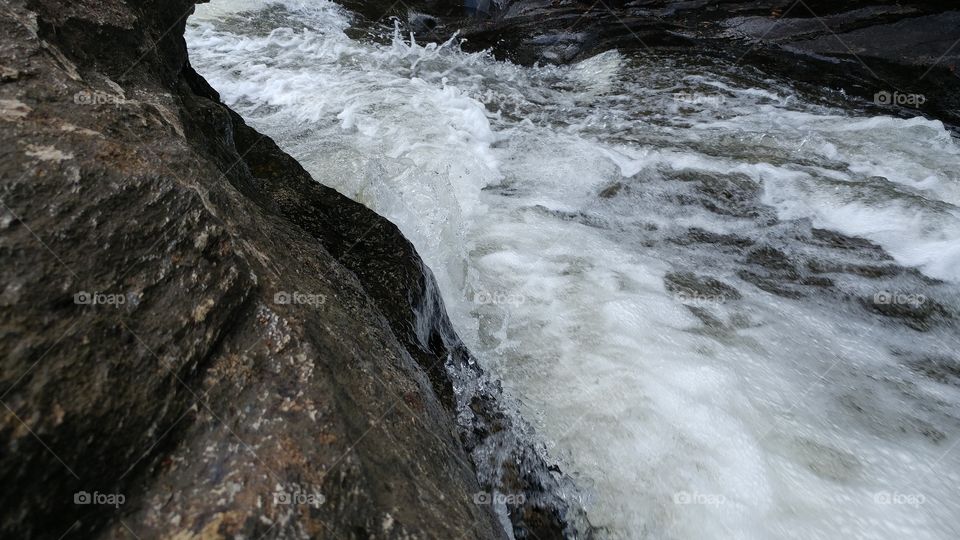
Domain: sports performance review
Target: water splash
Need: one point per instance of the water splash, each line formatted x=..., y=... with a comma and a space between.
x=575, y=217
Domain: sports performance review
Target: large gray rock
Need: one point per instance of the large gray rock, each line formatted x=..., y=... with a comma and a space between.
x=190, y=322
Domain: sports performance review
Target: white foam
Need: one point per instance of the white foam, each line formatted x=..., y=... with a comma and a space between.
x=789, y=425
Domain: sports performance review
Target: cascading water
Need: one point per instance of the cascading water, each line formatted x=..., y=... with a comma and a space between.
x=656, y=256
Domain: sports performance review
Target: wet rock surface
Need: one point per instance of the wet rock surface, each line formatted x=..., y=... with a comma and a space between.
x=891, y=56
x=688, y=284
x=789, y=259
x=193, y=325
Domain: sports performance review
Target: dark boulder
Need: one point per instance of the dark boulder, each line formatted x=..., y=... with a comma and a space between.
x=893, y=56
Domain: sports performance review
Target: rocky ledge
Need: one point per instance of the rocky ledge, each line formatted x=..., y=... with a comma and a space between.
x=896, y=57
x=200, y=341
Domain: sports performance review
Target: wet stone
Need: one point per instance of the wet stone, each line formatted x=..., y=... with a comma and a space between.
x=769, y=285
x=705, y=317
x=735, y=196
x=691, y=285
x=942, y=369
x=836, y=240
x=773, y=261
x=611, y=191
x=920, y=314
x=863, y=270
x=701, y=236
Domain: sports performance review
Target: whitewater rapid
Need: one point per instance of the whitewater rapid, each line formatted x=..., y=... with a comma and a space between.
x=556, y=205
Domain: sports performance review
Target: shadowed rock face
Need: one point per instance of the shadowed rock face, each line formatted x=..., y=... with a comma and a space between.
x=193, y=323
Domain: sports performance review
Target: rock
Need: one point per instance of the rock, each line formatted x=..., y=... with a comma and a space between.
x=913, y=310
x=883, y=56
x=708, y=320
x=700, y=236
x=943, y=369
x=612, y=190
x=9, y=74
x=772, y=271
x=835, y=240
x=731, y=195
x=774, y=261
x=863, y=270
x=200, y=341
x=897, y=56
x=422, y=23
x=688, y=285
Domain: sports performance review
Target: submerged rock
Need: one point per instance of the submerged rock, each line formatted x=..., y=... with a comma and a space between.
x=688, y=285
x=914, y=310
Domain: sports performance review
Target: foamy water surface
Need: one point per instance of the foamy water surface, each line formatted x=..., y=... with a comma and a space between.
x=552, y=203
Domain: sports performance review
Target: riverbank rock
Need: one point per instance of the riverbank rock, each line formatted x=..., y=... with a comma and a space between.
x=199, y=341
x=890, y=56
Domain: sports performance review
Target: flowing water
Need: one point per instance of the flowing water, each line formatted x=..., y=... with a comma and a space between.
x=655, y=254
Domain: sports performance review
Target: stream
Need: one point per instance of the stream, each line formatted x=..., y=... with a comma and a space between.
x=727, y=311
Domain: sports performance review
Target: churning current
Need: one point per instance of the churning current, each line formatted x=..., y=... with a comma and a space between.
x=726, y=310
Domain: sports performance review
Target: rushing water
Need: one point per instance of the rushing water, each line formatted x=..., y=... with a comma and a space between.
x=573, y=216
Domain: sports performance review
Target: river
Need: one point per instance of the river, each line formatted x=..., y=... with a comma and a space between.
x=724, y=308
